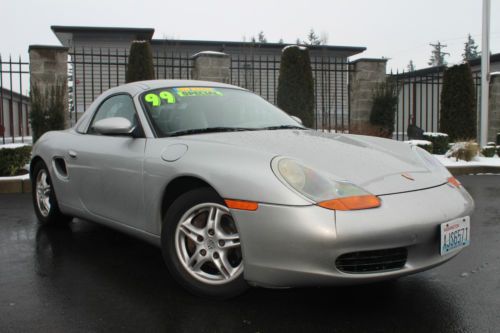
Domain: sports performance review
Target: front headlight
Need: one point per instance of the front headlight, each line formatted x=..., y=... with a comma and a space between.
x=320, y=188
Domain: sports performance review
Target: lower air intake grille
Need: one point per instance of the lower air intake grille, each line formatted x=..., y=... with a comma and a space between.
x=372, y=261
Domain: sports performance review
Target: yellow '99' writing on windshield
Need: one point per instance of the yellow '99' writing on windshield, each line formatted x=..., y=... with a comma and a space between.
x=155, y=99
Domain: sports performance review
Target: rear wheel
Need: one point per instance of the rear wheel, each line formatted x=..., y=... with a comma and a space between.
x=44, y=197
x=201, y=245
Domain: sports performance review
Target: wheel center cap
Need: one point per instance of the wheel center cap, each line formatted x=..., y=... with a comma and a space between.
x=210, y=244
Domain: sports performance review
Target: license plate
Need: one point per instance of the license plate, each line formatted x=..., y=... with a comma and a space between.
x=455, y=235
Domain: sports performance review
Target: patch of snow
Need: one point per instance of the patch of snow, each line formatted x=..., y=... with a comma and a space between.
x=419, y=142
x=301, y=47
x=435, y=134
x=209, y=53
x=477, y=161
x=23, y=177
x=13, y=145
x=18, y=139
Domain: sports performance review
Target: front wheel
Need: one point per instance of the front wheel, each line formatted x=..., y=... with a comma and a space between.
x=201, y=245
x=44, y=197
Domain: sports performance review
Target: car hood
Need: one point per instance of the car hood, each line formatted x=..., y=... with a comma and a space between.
x=375, y=164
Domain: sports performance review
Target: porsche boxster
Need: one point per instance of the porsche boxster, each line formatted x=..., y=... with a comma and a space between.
x=237, y=193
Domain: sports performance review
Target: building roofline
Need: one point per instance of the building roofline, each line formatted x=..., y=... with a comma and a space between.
x=370, y=60
x=65, y=28
x=477, y=61
x=438, y=69
x=353, y=49
x=6, y=93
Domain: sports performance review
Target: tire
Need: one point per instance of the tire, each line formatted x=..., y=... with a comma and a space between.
x=201, y=245
x=44, y=197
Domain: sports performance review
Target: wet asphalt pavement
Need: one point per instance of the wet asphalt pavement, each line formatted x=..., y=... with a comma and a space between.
x=88, y=278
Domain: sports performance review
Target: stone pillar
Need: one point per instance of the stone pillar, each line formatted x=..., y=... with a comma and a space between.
x=48, y=67
x=494, y=108
x=365, y=76
x=211, y=66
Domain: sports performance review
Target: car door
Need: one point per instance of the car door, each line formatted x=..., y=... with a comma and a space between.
x=108, y=170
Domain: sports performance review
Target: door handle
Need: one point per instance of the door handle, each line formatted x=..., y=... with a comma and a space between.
x=72, y=154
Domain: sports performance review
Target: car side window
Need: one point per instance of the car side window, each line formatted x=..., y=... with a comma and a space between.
x=116, y=106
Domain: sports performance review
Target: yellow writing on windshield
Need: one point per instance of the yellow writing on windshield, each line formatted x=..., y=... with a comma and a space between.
x=197, y=91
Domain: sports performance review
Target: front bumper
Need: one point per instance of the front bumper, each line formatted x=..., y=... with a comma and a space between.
x=290, y=246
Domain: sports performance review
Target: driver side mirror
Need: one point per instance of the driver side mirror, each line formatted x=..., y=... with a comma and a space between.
x=114, y=126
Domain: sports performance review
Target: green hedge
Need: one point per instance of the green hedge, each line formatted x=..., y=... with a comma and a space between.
x=140, y=62
x=296, y=84
x=440, y=142
x=383, y=112
x=458, y=103
x=12, y=160
x=489, y=151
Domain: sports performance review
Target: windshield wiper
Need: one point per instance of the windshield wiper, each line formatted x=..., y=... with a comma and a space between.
x=282, y=127
x=210, y=130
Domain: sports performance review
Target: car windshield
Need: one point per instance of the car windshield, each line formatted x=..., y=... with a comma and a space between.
x=193, y=110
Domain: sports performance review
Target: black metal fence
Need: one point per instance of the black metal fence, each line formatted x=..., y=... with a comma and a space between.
x=419, y=94
x=260, y=74
x=92, y=71
x=14, y=100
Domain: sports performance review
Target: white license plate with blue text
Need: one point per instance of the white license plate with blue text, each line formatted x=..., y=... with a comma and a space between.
x=455, y=235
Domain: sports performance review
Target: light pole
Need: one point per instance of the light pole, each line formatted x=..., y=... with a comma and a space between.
x=485, y=73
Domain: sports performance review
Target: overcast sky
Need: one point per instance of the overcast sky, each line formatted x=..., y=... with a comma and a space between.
x=397, y=29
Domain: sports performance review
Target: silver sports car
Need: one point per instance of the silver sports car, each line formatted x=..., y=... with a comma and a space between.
x=236, y=192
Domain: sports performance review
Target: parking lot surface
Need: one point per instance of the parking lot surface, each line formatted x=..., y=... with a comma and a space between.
x=88, y=278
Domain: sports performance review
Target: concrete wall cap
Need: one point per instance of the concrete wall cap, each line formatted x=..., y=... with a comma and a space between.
x=212, y=54
x=369, y=60
x=47, y=47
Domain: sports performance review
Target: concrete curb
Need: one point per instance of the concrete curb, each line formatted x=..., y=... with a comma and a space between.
x=24, y=185
x=459, y=170
x=15, y=186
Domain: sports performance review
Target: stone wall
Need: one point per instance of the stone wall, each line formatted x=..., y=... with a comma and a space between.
x=494, y=108
x=363, y=79
x=48, y=67
x=212, y=66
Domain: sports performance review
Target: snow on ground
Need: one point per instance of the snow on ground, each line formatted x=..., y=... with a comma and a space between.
x=419, y=142
x=13, y=145
x=435, y=134
x=17, y=139
x=23, y=177
x=478, y=161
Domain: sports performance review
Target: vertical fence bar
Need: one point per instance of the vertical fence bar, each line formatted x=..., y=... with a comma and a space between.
x=75, y=84
x=329, y=94
x=164, y=63
x=84, y=81
x=109, y=68
x=20, y=106
x=100, y=71
x=397, y=103
x=342, y=94
x=11, y=103
x=1, y=101
x=335, y=95
x=438, y=93
x=427, y=106
x=92, y=72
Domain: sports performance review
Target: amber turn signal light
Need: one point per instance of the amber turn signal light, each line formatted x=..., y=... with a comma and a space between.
x=453, y=181
x=352, y=203
x=242, y=205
